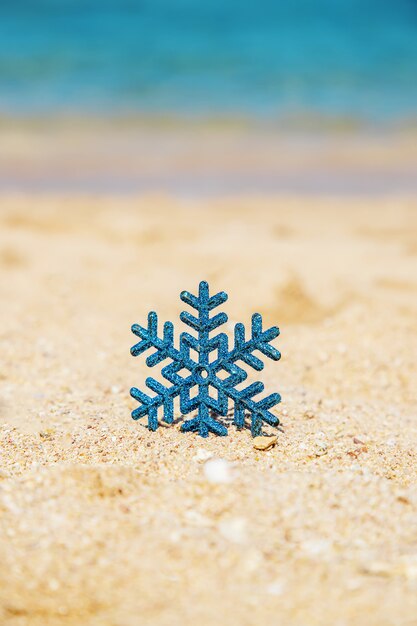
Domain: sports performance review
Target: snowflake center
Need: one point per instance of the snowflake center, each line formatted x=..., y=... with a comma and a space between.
x=201, y=374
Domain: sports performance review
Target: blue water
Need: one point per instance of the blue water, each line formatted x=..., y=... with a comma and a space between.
x=269, y=58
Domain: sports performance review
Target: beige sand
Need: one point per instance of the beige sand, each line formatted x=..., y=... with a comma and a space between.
x=105, y=523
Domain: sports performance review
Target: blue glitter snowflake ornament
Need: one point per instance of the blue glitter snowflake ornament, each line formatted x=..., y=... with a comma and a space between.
x=216, y=373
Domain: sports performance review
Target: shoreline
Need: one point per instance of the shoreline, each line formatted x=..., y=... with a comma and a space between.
x=211, y=157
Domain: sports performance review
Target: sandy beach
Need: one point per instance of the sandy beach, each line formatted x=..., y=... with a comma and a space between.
x=103, y=523
x=267, y=148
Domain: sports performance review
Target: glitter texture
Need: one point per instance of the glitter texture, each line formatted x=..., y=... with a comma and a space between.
x=217, y=379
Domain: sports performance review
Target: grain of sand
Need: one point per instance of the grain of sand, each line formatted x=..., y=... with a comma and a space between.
x=103, y=523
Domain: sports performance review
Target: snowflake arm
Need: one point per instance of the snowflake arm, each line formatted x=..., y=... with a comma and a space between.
x=204, y=422
x=164, y=349
x=243, y=351
x=260, y=340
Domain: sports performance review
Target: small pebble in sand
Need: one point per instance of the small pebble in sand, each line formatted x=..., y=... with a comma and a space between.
x=409, y=566
x=202, y=454
x=316, y=547
x=48, y=433
x=378, y=568
x=358, y=441
x=195, y=518
x=234, y=529
x=276, y=588
x=264, y=443
x=320, y=447
x=53, y=584
x=218, y=471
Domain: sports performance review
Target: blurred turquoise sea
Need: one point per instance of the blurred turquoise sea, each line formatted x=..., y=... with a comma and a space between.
x=193, y=97
x=354, y=59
